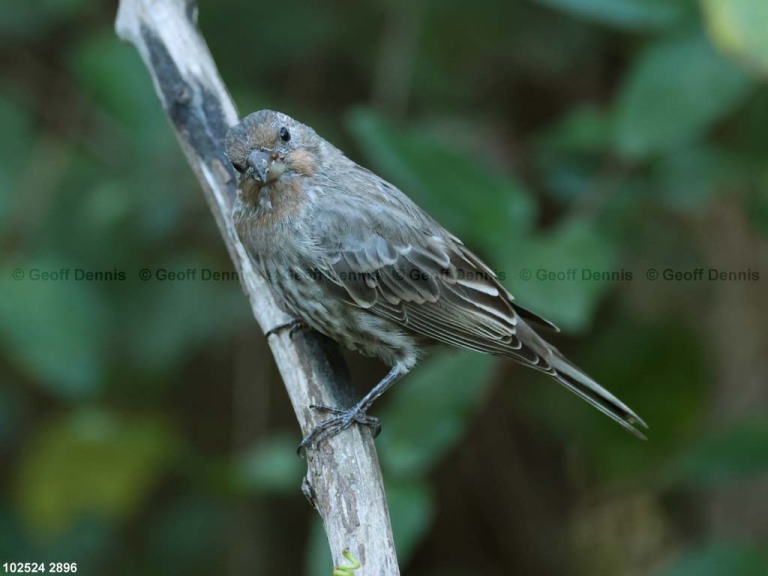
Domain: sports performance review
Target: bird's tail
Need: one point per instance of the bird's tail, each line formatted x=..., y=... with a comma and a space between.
x=583, y=386
x=550, y=360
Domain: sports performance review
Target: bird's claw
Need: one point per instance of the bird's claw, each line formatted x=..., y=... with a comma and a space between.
x=355, y=414
x=339, y=421
x=292, y=326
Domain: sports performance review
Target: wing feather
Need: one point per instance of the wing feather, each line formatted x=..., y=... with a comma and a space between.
x=401, y=265
x=431, y=286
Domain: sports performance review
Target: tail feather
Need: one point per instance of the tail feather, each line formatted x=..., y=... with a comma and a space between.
x=590, y=391
x=551, y=361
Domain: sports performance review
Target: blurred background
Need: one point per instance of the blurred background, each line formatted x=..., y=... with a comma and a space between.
x=597, y=153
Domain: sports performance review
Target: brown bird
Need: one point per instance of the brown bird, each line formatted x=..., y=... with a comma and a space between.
x=351, y=256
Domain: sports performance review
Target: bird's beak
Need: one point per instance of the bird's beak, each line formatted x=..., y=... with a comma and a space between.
x=259, y=161
x=266, y=167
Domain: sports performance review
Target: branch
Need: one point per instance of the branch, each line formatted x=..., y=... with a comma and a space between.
x=343, y=475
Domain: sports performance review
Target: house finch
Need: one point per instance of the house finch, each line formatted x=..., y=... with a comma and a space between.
x=351, y=256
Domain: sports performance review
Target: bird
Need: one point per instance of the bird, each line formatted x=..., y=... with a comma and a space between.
x=349, y=255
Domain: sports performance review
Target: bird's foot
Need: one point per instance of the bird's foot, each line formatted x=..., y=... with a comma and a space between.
x=293, y=327
x=340, y=420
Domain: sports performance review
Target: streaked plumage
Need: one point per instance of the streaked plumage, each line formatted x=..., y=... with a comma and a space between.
x=354, y=258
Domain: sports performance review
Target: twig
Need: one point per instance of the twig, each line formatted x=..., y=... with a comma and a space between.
x=343, y=477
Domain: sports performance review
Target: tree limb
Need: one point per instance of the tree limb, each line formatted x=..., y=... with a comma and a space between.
x=343, y=475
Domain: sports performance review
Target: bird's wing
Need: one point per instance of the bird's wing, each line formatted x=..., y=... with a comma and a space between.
x=401, y=265
x=398, y=263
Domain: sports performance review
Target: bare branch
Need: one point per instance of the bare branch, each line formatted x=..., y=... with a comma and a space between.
x=343, y=475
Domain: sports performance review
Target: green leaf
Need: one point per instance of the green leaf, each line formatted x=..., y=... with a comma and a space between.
x=658, y=370
x=428, y=414
x=93, y=542
x=112, y=74
x=584, y=129
x=554, y=274
x=14, y=410
x=14, y=152
x=629, y=14
x=411, y=509
x=91, y=462
x=733, y=454
x=271, y=466
x=464, y=195
x=21, y=20
x=686, y=179
x=757, y=208
x=188, y=535
x=54, y=329
x=749, y=127
x=716, y=559
x=176, y=311
x=738, y=28
x=571, y=154
x=673, y=93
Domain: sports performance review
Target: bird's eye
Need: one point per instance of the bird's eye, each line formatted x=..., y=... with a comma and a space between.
x=239, y=167
x=285, y=135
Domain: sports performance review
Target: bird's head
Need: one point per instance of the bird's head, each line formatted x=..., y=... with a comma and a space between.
x=268, y=147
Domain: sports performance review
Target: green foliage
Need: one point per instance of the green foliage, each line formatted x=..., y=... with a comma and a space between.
x=13, y=410
x=450, y=384
x=688, y=178
x=675, y=91
x=187, y=535
x=658, y=370
x=758, y=207
x=630, y=14
x=271, y=466
x=585, y=130
x=469, y=198
x=92, y=541
x=720, y=558
x=115, y=77
x=56, y=330
x=726, y=456
x=571, y=153
x=347, y=569
x=14, y=148
x=23, y=21
x=318, y=558
x=162, y=320
x=573, y=252
x=91, y=462
x=412, y=510
x=738, y=28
